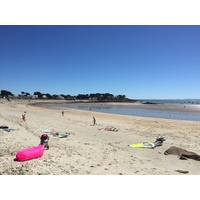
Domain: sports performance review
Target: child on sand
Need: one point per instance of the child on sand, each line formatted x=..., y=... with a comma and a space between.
x=44, y=139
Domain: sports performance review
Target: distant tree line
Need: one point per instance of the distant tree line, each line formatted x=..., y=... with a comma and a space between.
x=39, y=95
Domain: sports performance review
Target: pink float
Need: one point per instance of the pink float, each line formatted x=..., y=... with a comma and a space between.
x=30, y=153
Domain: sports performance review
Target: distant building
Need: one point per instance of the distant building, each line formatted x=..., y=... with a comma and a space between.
x=60, y=97
x=34, y=96
x=44, y=96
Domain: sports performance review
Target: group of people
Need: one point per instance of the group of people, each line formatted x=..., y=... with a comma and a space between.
x=44, y=137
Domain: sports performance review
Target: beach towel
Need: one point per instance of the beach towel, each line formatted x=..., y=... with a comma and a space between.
x=109, y=128
x=62, y=135
x=51, y=132
x=45, y=131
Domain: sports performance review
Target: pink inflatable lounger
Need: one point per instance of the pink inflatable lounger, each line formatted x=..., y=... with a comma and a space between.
x=30, y=153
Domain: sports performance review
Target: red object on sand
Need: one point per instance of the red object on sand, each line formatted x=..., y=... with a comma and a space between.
x=30, y=153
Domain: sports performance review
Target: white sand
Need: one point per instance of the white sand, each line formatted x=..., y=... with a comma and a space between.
x=89, y=150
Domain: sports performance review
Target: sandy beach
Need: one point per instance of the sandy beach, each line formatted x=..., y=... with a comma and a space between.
x=90, y=151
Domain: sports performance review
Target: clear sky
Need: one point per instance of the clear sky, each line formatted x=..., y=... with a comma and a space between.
x=141, y=62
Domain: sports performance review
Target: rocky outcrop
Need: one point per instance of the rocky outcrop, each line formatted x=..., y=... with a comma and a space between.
x=182, y=153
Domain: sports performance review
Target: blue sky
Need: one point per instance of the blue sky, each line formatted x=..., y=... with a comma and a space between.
x=141, y=62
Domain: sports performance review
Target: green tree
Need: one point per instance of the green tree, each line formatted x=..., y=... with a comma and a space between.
x=54, y=96
x=6, y=93
x=39, y=94
x=49, y=96
x=82, y=96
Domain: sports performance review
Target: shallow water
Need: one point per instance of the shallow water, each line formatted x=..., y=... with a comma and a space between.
x=167, y=111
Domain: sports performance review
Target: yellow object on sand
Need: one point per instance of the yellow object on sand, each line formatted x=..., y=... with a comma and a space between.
x=143, y=145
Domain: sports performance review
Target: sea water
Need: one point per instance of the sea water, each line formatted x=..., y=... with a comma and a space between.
x=168, y=109
x=175, y=101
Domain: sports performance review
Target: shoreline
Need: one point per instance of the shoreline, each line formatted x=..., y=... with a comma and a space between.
x=137, y=104
x=90, y=151
x=165, y=111
x=180, y=107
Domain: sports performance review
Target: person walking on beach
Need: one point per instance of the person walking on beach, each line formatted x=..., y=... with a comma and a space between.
x=94, y=121
x=62, y=113
x=24, y=117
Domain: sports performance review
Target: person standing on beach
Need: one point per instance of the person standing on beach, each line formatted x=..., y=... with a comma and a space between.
x=62, y=113
x=94, y=121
